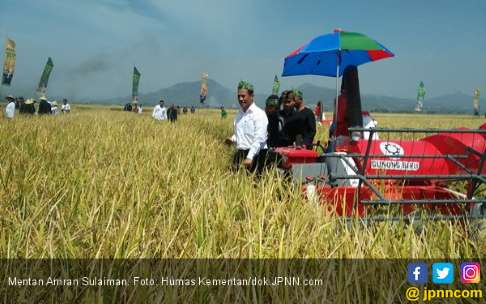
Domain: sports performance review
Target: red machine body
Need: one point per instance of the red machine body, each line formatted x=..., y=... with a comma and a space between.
x=436, y=145
x=407, y=173
x=296, y=156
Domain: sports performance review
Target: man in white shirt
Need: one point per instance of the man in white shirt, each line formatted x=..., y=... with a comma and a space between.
x=54, y=108
x=250, y=131
x=160, y=112
x=369, y=123
x=65, y=107
x=10, y=108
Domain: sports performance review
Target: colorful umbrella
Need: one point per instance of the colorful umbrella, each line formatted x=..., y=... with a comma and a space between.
x=330, y=54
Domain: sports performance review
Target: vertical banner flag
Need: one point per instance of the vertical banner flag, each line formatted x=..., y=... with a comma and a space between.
x=135, y=82
x=420, y=97
x=9, y=62
x=476, y=101
x=276, y=85
x=204, y=87
x=42, y=88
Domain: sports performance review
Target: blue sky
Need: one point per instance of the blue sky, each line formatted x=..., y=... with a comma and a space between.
x=95, y=43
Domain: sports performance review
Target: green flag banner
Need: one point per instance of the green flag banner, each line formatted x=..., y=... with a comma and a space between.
x=476, y=95
x=421, y=91
x=44, y=80
x=9, y=62
x=204, y=87
x=420, y=97
x=135, y=82
x=276, y=86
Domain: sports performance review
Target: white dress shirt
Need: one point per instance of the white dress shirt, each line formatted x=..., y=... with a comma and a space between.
x=159, y=113
x=251, y=130
x=10, y=110
x=66, y=107
x=369, y=123
x=54, y=110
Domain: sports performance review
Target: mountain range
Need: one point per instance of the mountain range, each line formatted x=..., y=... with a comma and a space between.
x=187, y=94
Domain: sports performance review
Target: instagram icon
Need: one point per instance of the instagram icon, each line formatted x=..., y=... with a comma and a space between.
x=470, y=272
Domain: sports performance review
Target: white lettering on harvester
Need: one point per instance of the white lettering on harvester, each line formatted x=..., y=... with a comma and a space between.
x=395, y=165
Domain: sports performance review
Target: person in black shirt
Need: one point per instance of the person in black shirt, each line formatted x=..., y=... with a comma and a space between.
x=127, y=107
x=288, y=110
x=22, y=108
x=172, y=113
x=28, y=107
x=44, y=106
x=275, y=121
x=301, y=125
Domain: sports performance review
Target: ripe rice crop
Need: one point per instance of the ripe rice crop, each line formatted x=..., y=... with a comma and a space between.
x=105, y=183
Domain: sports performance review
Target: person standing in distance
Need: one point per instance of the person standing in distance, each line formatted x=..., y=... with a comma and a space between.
x=250, y=131
x=44, y=106
x=160, y=112
x=10, y=108
x=65, y=107
x=224, y=114
x=172, y=113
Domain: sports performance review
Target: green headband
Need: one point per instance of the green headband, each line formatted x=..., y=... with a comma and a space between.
x=245, y=85
x=272, y=100
x=297, y=93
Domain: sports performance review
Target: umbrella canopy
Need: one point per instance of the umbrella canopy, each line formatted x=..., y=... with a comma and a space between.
x=330, y=54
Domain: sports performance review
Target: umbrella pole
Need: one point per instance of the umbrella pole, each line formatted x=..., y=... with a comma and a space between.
x=338, y=58
x=337, y=92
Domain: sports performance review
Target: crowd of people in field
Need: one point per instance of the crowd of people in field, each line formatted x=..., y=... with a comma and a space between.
x=285, y=121
x=160, y=112
x=30, y=106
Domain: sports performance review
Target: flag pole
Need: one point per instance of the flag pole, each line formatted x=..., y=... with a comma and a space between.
x=5, y=34
x=1, y=81
x=133, y=72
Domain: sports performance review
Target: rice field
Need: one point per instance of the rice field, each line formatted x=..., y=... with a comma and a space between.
x=102, y=183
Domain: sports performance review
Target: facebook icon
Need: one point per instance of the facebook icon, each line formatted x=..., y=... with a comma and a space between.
x=417, y=273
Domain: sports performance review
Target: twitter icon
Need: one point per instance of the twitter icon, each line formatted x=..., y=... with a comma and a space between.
x=443, y=273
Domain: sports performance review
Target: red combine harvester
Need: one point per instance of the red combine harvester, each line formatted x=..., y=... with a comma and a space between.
x=361, y=174
x=440, y=170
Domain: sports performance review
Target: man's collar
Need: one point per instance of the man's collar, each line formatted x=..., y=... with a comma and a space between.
x=251, y=108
